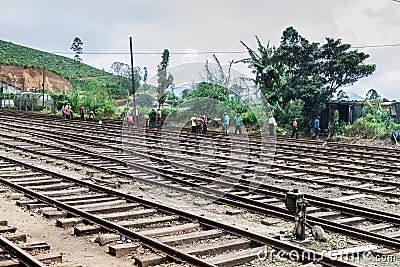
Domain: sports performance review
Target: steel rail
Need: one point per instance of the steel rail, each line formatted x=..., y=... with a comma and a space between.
x=321, y=150
x=254, y=136
x=369, y=213
x=344, y=176
x=317, y=172
x=150, y=242
x=24, y=257
x=340, y=228
x=349, y=168
x=324, y=259
x=336, y=227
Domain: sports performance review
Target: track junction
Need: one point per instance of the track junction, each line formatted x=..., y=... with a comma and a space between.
x=352, y=191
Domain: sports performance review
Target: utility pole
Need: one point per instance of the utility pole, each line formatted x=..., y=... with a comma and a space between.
x=133, y=85
x=43, y=72
x=1, y=82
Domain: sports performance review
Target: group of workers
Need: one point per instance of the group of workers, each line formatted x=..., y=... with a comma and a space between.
x=313, y=124
x=199, y=123
x=67, y=112
x=154, y=118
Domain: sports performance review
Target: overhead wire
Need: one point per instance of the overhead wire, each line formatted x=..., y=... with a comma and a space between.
x=155, y=53
x=377, y=46
x=203, y=52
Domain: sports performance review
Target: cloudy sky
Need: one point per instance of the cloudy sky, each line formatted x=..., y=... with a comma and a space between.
x=206, y=26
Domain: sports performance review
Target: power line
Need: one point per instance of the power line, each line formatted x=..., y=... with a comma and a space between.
x=202, y=52
x=377, y=46
x=155, y=53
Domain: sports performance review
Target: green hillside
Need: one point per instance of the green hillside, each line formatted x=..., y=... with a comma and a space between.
x=17, y=55
x=96, y=89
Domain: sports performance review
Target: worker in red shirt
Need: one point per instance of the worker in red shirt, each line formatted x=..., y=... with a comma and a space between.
x=199, y=122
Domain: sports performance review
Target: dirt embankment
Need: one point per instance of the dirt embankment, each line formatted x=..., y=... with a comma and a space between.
x=32, y=78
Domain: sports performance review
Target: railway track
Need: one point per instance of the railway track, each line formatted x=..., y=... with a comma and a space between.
x=352, y=180
x=93, y=208
x=348, y=181
x=16, y=251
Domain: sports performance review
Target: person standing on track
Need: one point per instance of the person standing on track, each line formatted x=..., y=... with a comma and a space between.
x=153, y=116
x=199, y=122
x=159, y=115
x=205, y=121
x=146, y=119
x=63, y=108
x=82, y=112
x=226, y=123
x=310, y=125
x=130, y=120
x=295, y=129
x=68, y=112
x=238, y=122
x=91, y=115
x=317, y=128
x=272, y=124
x=193, y=120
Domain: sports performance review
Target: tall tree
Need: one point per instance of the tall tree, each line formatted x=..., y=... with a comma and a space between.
x=372, y=95
x=1, y=76
x=123, y=75
x=341, y=95
x=144, y=78
x=218, y=76
x=122, y=71
x=77, y=48
x=270, y=74
x=165, y=79
x=299, y=69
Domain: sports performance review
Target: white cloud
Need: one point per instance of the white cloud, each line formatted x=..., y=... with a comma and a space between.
x=206, y=25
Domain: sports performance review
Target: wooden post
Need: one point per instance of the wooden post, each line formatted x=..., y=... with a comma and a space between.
x=135, y=115
x=43, y=88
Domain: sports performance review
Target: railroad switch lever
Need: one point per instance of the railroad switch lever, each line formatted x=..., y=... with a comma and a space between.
x=296, y=204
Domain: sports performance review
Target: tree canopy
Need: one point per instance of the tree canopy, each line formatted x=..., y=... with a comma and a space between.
x=123, y=75
x=302, y=70
x=165, y=79
x=77, y=48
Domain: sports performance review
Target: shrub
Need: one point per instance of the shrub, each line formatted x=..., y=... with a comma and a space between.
x=336, y=128
x=364, y=128
x=249, y=118
x=106, y=111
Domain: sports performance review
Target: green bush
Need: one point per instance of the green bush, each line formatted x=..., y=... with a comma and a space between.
x=106, y=111
x=285, y=116
x=249, y=118
x=10, y=107
x=365, y=128
x=7, y=96
x=166, y=112
x=394, y=126
x=337, y=127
